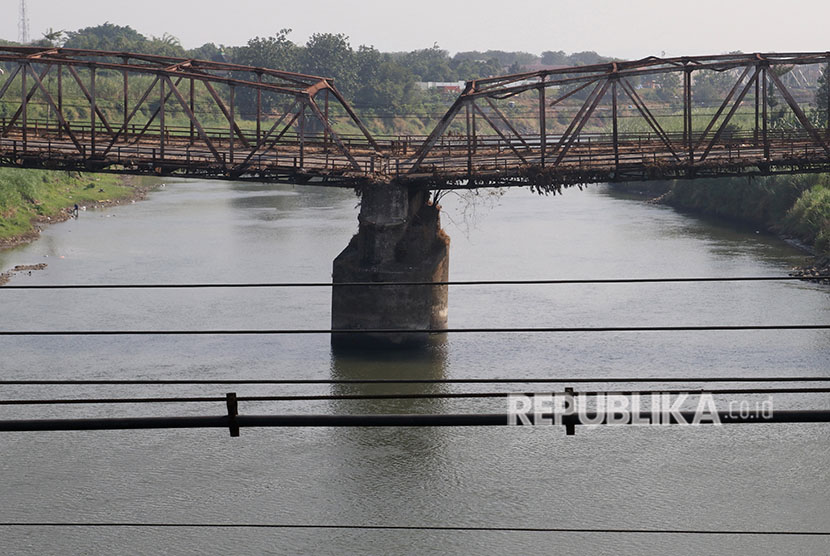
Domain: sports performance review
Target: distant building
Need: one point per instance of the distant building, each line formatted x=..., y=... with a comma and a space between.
x=441, y=86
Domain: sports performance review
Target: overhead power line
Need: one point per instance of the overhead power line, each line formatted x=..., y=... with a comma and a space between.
x=410, y=331
x=378, y=397
x=447, y=528
x=391, y=381
x=565, y=281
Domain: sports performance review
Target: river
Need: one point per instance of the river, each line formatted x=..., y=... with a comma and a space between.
x=762, y=477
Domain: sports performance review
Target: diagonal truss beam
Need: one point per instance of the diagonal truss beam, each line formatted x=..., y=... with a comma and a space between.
x=571, y=93
x=726, y=120
x=51, y=102
x=221, y=104
x=575, y=121
x=583, y=121
x=724, y=104
x=799, y=113
x=502, y=117
x=497, y=130
x=320, y=116
x=353, y=116
x=264, y=139
x=155, y=114
x=127, y=120
x=649, y=117
x=90, y=98
x=29, y=96
x=174, y=89
x=9, y=80
x=439, y=130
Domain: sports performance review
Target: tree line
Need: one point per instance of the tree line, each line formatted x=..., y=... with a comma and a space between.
x=368, y=77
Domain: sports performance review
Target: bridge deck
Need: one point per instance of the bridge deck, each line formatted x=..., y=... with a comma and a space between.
x=452, y=163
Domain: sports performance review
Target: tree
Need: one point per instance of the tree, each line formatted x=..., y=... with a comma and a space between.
x=330, y=55
x=429, y=64
x=586, y=58
x=208, y=51
x=276, y=52
x=165, y=45
x=107, y=37
x=551, y=58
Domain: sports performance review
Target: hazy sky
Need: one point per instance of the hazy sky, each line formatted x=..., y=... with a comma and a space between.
x=624, y=28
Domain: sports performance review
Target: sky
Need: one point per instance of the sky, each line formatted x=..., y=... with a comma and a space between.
x=628, y=29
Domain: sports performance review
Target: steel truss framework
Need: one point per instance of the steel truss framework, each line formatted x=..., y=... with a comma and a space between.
x=707, y=145
x=297, y=142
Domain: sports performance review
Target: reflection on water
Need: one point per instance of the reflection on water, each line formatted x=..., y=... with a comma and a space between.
x=429, y=363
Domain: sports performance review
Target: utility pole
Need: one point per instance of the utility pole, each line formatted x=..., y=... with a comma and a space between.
x=23, y=24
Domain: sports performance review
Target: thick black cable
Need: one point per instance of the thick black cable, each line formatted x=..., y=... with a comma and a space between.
x=413, y=283
x=502, y=529
x=346, y=381
x=683, y=417
x=436, y=396
x=409, y=331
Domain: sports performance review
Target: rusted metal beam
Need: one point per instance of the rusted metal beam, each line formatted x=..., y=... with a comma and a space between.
x=123, y=129
x=162, y=111
x=469, y=142
x=218, y=100
x=154, y=115
x=439, y=130
x=232, y=122
x=615, y=131
x=724, y=104
x=193, y=119
x=576, y=119
x=330, y=132
x=353, y=116
x=764, y=71
x=725, y=122
x=500, y=134
x=58, y=113
x=648, y=116
x=28, y=97
x=543, y=125
x=24, y=100
x=504, y=119
x=89, y=96
x=244, y=165
x=9, y=80
x=571, y=93
x=582, y=122
x=259, y=109
x=799, y=113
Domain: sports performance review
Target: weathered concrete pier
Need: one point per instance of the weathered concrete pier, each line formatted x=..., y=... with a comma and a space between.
x=399, y=240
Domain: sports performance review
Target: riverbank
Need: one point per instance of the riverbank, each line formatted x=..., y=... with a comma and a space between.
x=796, y=208
x=33, y=199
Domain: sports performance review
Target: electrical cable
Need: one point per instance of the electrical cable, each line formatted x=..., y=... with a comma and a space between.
x=575, y=281
x=368, y=397
x=303, y=382
x=411, y=331
x=448, y=528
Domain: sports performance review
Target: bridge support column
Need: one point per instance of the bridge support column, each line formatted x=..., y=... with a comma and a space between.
x=399, y=240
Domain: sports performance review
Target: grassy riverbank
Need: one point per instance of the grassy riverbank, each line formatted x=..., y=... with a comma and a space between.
x=793, y=206
x=30, y=199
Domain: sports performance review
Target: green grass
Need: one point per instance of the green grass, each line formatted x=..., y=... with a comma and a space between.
x=809, y=218
x=26, y=195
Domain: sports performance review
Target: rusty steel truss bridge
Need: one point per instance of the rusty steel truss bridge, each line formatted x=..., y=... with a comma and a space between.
x=141, y=114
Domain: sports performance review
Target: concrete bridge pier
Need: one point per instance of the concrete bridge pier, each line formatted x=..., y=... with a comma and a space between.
x=399, y=240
